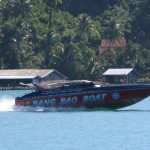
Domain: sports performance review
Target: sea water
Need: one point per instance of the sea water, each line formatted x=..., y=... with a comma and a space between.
x=25, y=128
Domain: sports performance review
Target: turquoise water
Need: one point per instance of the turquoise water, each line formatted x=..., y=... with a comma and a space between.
x=35, y=129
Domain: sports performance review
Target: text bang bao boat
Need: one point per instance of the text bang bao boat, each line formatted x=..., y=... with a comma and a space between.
x=86, y=94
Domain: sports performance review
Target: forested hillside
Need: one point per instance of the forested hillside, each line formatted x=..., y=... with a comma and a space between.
x=64, y=35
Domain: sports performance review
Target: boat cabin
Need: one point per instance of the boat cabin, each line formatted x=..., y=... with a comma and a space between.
x=75, y=84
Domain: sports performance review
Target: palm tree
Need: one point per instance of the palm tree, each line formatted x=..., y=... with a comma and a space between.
x=21, y=7
x=65, y=56
x=88, y=30
x=51, y=6
x=86, y=26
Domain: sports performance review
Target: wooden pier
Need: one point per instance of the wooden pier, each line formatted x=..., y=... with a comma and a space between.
x=17, y=88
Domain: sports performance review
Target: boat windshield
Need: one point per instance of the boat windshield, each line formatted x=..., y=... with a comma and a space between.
x=78, y=85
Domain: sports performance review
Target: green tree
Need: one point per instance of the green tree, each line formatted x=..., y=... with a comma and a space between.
x=21, y=7
x=115, y=22
x=68, y=61
x=51, y=6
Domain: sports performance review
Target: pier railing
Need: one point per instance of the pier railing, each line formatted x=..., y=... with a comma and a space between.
x=17, y=88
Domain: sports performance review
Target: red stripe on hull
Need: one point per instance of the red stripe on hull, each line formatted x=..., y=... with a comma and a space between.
x=116, y=99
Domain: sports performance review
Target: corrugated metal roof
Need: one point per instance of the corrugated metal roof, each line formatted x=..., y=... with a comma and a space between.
x=17, y=77
x=125, y=71
x=24, y=73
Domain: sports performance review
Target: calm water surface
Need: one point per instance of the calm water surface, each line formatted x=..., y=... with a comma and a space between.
x=31, y=129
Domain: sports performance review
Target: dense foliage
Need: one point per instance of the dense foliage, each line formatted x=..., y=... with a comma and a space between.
x=64, y=34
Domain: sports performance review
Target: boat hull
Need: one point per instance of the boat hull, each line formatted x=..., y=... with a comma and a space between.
x=111, y=97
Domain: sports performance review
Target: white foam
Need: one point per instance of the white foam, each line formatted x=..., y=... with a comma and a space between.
x=7, y=104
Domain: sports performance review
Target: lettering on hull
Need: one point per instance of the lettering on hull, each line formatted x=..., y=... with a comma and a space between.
x=45, y=103
x=86, y=99
x=93, y=98
x=68, y=100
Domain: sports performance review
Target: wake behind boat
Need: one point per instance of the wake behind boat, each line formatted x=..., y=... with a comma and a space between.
x=82, y=93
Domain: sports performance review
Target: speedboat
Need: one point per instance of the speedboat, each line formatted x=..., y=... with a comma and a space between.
x=83, y=93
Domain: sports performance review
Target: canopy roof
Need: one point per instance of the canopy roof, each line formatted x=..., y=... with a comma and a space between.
x=65, y=84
